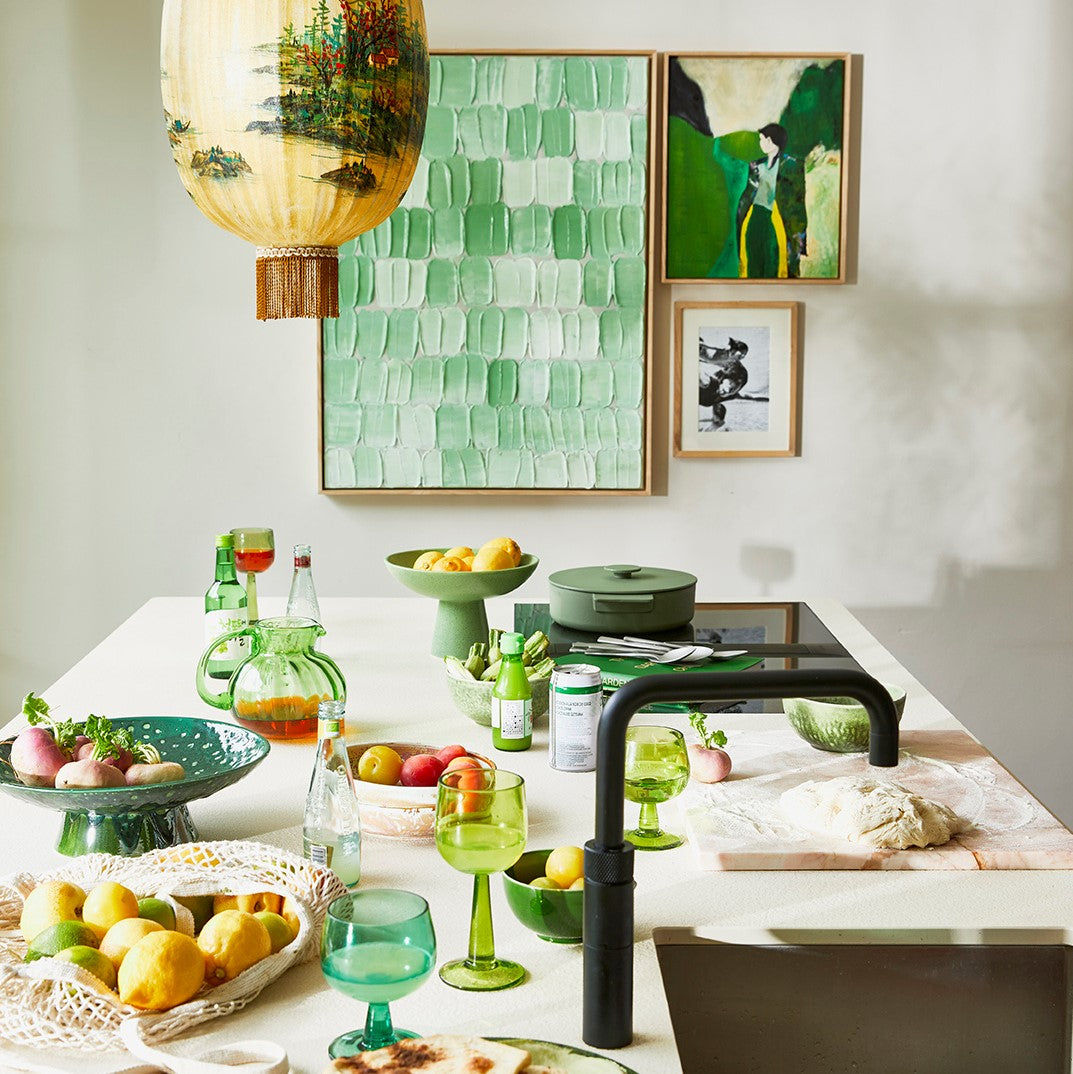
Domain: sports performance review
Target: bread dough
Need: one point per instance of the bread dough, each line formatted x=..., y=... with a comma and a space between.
x=878, y=813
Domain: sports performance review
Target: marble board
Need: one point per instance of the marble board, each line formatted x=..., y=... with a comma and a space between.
x=738, y=824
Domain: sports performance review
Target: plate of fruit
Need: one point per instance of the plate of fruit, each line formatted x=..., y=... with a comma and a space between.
x=395, y=783
x=123, y=784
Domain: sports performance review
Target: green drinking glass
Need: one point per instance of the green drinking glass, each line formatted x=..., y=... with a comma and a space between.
x=657, y=769
x=377, y=945
x=481, y=829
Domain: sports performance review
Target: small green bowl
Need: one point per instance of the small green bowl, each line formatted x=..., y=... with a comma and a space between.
x=835, y=724
x=474, y=698
x=555, y=916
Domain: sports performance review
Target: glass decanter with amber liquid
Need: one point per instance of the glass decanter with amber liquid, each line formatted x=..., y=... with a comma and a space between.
x=277, y=690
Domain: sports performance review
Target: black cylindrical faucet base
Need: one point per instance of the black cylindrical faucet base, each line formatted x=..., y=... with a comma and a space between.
x=607, y=1015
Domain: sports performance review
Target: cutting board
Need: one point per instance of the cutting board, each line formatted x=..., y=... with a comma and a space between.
x=737, y=824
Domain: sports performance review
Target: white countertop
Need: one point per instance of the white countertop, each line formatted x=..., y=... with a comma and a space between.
x=395, y=691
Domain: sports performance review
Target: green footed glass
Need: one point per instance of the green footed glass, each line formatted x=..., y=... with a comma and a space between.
x=657, y=769
x=481, y=829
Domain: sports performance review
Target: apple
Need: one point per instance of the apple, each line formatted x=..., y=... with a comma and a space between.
x=380, y=764
x=708, y=764
x=449, y=753
x=421, y=770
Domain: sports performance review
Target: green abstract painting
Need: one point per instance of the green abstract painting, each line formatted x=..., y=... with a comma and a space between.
x=755, y=167
x=493, y=331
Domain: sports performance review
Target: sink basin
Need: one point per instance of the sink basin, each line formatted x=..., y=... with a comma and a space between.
x=890, y=1001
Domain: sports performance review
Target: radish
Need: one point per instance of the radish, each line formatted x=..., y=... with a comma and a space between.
x=36, y=757
x=707, y=762
x=89, y=773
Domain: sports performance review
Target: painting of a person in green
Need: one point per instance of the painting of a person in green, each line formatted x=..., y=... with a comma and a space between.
x=754, y=201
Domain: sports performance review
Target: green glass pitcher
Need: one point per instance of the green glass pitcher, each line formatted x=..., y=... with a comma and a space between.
x=275, y=691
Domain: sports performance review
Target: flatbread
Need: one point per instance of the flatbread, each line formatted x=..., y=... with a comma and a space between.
x=441, y=1053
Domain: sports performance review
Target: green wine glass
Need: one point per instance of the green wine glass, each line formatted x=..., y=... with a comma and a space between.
x=657, y=769
x=377, y=945
x=481, y=829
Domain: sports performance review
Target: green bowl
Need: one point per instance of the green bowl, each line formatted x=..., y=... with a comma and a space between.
x=131, y=820
x=460, y=618
x=835, y=724
x=474, y=699
x=555, y=916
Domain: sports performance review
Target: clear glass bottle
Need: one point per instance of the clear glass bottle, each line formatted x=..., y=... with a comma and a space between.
x=225, y=612
x=331, y=828
x=512, y=698
x=302, y=599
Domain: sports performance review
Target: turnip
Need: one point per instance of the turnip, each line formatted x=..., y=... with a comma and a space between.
x=36, y=757
x=89, y=773
x=707, y=762
x=116, y=756
x=138, y=775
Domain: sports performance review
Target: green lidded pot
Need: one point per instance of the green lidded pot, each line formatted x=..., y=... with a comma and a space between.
x=276, y=690
x=622, y=598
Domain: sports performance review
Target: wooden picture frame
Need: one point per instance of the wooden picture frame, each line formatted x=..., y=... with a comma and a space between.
x=496, y=338
x=736, y=374
x=755, y=167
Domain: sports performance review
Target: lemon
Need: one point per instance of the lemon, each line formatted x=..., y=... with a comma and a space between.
x=565, y=865
x=509, y=545
x=459, y=550
x=250, y=904
x=450, y=564
x=123, y=935
x=426, y=559
x=290, y=915
x=161, y=971
x=544, y=882
x=108, y=903
x=191, y=854
x=492, y=558
x=231, y=942
x=577, y=885
x=89, y=958
x=60, y=936
x=157, y=910
x=280, y=932
x=50, y=902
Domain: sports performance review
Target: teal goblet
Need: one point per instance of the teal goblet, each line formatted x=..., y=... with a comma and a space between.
x=377, y=946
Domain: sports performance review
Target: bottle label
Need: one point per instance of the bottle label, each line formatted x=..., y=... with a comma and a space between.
x=514, y=719
x=224, y=622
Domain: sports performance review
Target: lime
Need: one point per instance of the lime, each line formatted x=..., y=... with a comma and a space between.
x=200, y=906
x=544, y=882
x=279, y=930
x=89, y=958
x=60, y=936
x=157, y=910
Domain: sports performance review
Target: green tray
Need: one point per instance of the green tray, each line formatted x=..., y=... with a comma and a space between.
x=131, y=820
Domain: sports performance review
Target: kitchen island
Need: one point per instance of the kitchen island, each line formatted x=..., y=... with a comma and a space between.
x=397, y=692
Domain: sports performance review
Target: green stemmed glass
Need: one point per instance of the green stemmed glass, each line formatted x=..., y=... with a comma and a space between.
x=481, y=829
x=255, y=551
x=377, y=945
x=657, y=769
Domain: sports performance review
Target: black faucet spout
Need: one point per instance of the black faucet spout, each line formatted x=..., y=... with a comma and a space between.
x=608, y=953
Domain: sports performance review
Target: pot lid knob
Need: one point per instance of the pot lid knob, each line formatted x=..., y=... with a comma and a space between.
x=622, y=570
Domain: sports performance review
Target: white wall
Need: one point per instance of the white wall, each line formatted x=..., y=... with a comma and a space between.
x=143, y=407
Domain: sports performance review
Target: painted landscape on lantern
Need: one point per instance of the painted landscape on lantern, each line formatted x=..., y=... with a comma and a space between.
x=347, y=80
x=351, y=82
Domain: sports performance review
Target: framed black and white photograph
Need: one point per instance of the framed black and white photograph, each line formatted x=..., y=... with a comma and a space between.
x=736, y=379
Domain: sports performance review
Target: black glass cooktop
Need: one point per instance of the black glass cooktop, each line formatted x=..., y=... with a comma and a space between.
x=786, y=635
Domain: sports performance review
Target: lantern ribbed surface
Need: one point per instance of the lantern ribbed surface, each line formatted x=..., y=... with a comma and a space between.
x=296, y=125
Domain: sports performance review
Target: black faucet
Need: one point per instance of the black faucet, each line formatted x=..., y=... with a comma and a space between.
x=607, y=1018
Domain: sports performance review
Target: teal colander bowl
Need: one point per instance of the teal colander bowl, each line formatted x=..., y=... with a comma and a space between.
x=131, y=820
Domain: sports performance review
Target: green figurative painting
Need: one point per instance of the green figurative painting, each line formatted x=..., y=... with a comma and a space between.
x=493, y=331
x=755, y=167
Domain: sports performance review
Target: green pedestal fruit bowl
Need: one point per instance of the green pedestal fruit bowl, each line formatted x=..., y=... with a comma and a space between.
x=131, y=820
x=460, y=618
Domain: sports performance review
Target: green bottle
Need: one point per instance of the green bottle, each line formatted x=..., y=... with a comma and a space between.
x=512, y=698
x=225, y=611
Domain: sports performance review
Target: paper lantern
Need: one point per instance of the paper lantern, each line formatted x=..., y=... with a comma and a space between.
x=297, y=125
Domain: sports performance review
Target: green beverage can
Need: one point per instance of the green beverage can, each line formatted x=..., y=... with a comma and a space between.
x=575, y=701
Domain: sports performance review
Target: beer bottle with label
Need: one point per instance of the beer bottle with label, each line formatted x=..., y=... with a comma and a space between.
x=225, y=611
